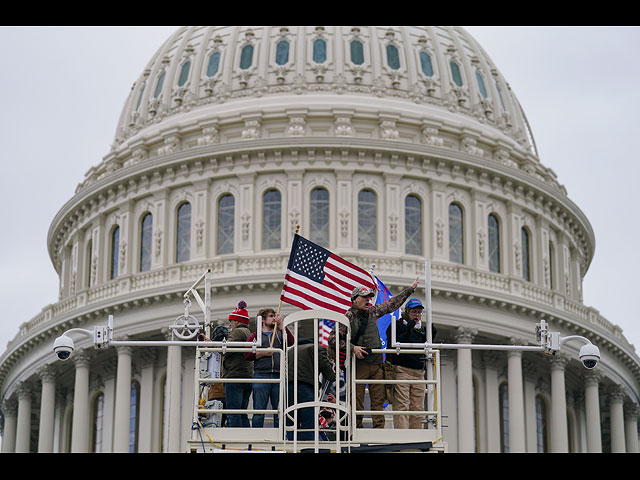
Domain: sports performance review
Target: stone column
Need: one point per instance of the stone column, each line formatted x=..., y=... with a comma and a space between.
x=631, y=413
x=47, y=408
x=81, y=410
x=10, y=410
x=517, y=437
x=592, y=410
x=123, y=400
x=558, y=417
x=492, y=388
x=466, y=432
x=174, y=392
x=146, y=400
x=23, y=430
x=616, y=400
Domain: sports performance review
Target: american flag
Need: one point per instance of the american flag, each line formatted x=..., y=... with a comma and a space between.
x=325, y=328
x=318, y=279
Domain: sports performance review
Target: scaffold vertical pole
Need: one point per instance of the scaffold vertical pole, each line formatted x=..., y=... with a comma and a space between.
x=429, y=359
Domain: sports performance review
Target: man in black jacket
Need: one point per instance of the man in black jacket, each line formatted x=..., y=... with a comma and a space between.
x=409, y=329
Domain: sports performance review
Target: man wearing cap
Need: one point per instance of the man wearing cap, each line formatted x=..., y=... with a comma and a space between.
x=409, y=329
x=235, y=366
x=365, y=337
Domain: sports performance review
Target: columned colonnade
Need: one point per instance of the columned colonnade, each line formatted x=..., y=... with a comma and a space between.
x=116, y=421
x=18, y=411
x=623, y=422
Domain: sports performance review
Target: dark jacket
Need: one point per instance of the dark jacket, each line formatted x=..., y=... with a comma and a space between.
x=270, y=363
x=234, y=363
x=405, y=333
x=306, y=364
x=370, y=338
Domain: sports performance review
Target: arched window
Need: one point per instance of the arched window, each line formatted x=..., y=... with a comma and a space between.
x=319, y=217
x=115, y=241
x=456, y=234
x=494, y=243
x=413, y=225
x=271, y=219
x=184, y=73
x=282, y=52
x=481, y=87
x=134, y=417
x=425, y=64
x=503, y=400
x=159, y=83
x=183, y=233
x=393, y=57
x=88, y=260
x=246, y=57
x=319, y=50
x=146, y=231
x=226, y=219
x=542, y=436
x=97, y=418
x=526, y=255
x=357, y=52
x=455, y=73
x=214, y=64
x=367, y=220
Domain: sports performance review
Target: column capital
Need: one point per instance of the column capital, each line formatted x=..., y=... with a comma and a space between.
x=48, y=373
x=558, y=361
x=465, y=335
x=592, y=377
x=10, y=407
x=617, y=393
x=632, y=411
x=491, y=358
x=24, y=390
x=82, y=357
x=124, y=350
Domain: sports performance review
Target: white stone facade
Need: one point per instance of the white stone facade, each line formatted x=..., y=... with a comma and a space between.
x=292, y=123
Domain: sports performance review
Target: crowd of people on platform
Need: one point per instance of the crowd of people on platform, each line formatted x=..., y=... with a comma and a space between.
x=365, y=336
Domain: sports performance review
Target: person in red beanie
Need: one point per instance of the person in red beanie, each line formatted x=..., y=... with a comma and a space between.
x=235, y=366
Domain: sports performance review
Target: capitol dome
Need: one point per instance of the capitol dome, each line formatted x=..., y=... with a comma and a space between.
x=385, y=145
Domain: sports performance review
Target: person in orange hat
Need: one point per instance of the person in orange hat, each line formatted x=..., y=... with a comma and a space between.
x=235, y=366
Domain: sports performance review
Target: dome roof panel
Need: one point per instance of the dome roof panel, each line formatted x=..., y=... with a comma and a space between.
x=440, y=68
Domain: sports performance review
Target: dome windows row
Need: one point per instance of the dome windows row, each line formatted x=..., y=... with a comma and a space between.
x=371, y=233
x=357, y=55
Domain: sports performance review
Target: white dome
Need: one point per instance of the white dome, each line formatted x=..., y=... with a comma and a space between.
x=431, y=72
x=417, y=149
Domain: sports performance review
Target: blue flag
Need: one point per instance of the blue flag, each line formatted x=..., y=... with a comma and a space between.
x=383, y=322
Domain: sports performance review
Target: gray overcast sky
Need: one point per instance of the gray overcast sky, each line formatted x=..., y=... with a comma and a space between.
x=62, y=91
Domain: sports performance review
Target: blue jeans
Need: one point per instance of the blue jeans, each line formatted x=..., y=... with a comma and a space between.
x=262, y=393
x=305, y=415
x=237, y=397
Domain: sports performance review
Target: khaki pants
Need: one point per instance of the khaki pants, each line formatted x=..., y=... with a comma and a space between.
x=376, y=392
x=408, y=397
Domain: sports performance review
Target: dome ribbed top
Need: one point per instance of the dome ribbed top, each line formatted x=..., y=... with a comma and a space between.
x=441, y=68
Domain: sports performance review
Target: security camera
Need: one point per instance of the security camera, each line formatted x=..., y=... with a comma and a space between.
x=589, y=355
x=63, y=347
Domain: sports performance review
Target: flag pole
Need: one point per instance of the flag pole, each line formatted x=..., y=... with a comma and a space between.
x=280, y=304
